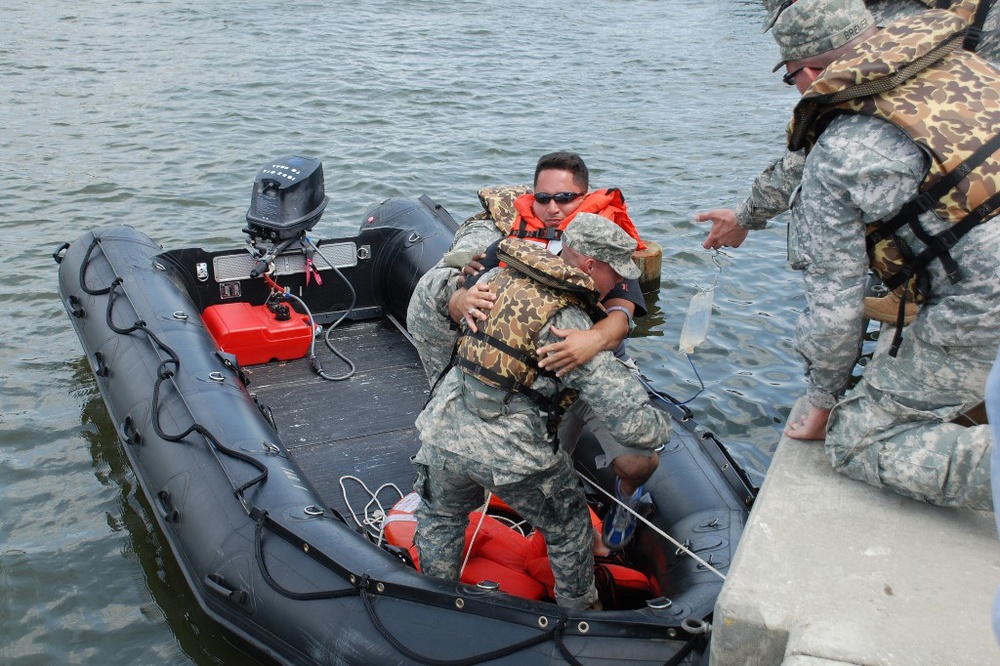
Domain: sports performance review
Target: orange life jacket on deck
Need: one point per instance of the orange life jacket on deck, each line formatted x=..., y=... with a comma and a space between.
x=518, y=563
x=607, y=203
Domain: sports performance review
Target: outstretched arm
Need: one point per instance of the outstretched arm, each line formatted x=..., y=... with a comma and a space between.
x=769, y=196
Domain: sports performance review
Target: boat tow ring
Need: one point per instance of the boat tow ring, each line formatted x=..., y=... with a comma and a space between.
x=694, y=626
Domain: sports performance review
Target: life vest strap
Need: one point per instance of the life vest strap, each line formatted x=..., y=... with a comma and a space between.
x=519, y=354
x=941, y=243
x=504, y=383
x=547, y=234
x=975, y=31
x=926, y=200
x=551, y=406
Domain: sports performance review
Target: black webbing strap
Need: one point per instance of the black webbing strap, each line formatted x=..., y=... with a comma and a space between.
x=975, y=31
x=547, y=233
x=551, y=406
x=519, y=354
x=505, y=383
x=897, y=337
x=941, y=243
x=925, y=201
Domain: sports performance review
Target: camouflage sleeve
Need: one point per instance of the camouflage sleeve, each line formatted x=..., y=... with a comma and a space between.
x=861, y=170
x=427, y=317
x=770, y=192
x=437, y=285
x=475, y=234
x=612, y=391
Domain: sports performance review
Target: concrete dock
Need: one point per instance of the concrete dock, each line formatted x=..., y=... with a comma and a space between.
x=833, y=571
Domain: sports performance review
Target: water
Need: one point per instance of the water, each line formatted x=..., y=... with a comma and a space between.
x=158, y=114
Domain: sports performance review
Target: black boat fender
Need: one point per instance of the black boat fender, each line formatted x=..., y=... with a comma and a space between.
x=421, y=232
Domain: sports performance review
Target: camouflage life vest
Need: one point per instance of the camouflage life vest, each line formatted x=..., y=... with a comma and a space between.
x=534, y=285
x=972, y=11
x=947, y=100
x=498, y=205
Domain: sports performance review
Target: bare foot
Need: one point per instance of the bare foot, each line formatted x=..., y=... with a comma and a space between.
x=811, y=426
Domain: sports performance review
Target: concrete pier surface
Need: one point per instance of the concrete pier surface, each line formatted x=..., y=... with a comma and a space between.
x=833, y=571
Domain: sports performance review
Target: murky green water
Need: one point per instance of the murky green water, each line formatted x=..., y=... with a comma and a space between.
x=158, y=114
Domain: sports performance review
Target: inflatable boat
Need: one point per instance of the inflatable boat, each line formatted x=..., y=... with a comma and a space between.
x=265, y=398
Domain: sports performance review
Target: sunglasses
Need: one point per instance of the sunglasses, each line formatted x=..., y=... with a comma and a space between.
x=789, y=78
x=559, y=197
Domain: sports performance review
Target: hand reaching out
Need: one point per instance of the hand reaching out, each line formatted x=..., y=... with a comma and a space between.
x=726, y=232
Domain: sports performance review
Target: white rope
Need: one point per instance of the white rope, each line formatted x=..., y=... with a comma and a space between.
x=374, y=521
x=656, y=529
x=475, y=533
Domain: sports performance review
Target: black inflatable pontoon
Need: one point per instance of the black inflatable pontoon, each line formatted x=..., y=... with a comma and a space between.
x=270, y=482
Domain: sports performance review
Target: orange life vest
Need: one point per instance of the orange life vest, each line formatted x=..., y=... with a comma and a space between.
x=502, y=554
x=607, y=203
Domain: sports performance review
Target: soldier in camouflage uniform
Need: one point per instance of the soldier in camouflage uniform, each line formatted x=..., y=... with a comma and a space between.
x=772, y=188
x=895, y=428
x=481, y=429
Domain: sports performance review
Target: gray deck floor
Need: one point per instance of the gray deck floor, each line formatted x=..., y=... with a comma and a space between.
x=361, y=427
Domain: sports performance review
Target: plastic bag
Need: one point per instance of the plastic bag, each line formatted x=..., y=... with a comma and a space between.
x=695, y=327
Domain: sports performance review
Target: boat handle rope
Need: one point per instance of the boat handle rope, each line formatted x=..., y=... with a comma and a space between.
x=164, y=373
x=361, y=586
x=554, y=634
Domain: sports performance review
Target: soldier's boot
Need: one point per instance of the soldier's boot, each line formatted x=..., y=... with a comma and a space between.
x=886, y=308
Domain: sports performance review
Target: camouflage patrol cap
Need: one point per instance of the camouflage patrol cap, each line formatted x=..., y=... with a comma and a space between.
x=599, y=238
x=807, y=28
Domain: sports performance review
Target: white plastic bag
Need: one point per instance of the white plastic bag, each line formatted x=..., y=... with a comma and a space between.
x=696, y=322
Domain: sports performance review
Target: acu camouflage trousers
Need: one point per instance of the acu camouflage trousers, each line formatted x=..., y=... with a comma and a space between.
x=551, y=500
x=895, y=429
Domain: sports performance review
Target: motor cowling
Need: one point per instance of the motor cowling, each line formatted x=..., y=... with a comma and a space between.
x=288, y=198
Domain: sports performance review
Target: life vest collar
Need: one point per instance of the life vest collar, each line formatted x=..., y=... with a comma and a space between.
x=881, y=63
x=607, y=203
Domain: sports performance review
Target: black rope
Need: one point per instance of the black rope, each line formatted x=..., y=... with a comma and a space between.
x=83, y=271
x=563, y=650
x=555, y=632
x=164, y=372
x=361, y=588
x=277, y=587
x=679, y=656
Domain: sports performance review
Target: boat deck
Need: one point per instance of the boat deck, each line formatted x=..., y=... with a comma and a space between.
x=360, y=427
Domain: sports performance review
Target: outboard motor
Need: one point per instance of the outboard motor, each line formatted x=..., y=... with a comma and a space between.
x=288, y=199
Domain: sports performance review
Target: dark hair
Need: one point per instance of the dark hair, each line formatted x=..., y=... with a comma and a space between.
x=564, y=160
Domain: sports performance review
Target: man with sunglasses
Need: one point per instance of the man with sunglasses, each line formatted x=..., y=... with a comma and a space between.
x=449, y=294
x=886, y=115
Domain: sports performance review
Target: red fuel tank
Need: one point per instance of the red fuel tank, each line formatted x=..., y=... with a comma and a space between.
x=255, y=334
